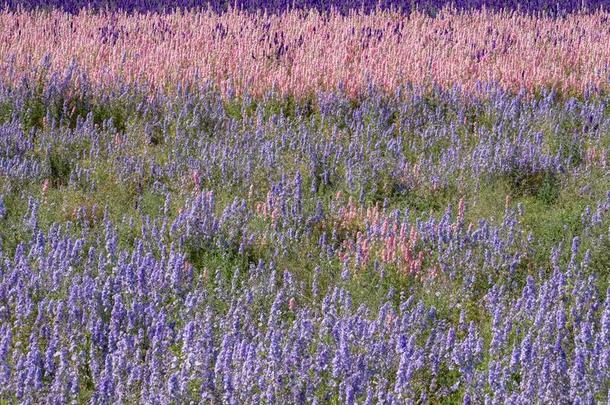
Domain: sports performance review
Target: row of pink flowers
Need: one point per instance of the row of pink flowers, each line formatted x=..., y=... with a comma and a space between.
x=300, y=53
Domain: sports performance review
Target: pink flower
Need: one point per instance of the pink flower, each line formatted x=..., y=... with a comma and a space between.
x=196, y=178
x=45, y=186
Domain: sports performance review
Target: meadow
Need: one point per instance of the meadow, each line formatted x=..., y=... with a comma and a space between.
x=364, y=206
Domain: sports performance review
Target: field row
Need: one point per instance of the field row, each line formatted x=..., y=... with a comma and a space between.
x=552, y=7
x=302, y=53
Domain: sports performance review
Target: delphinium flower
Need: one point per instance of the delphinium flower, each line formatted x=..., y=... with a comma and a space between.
x=3, y=211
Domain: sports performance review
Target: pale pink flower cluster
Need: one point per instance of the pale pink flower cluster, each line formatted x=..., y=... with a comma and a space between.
x=387, y=240
x=268, y=208
x=300, y=53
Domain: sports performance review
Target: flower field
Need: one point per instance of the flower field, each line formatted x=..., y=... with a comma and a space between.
x=302, y=53
x=369, y=204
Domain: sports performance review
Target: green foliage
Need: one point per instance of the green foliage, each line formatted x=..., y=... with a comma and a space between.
x=61, y=166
